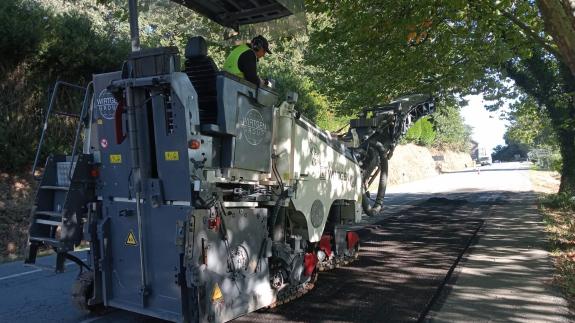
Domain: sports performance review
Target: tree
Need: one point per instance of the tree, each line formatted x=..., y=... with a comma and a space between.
x=511, y=151
x=413, y=134
x=428, y=135
x=24, y=21
x=559, y=18
x=549, y=82
x=370, y=51
x=530, y=126
x=421, y=132
x=53, y=47
x=367, y=53
x=452, y=132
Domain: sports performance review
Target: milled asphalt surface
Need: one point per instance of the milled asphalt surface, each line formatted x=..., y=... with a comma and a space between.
x=504, y=277
x=403, y=261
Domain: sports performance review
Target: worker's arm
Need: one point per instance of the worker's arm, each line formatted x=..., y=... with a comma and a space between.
x=247, y=64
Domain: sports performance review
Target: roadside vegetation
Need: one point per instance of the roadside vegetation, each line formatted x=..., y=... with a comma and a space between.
x=558, y=210
x=443, y=130
x=530, y=135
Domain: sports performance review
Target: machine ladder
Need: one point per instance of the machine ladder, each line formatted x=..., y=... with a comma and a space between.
x=65, y=190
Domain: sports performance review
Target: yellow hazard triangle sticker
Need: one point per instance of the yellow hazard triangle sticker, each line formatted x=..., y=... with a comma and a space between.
x=217, y=295
x=131, y=239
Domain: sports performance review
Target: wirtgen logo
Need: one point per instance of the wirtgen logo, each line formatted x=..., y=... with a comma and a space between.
x=254, y=127
x=106, y=104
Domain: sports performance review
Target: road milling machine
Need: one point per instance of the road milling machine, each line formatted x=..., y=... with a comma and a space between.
x=203, y=197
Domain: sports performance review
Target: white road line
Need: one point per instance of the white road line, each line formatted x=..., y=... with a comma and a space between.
x=20, y=274
x=30, y=272
x=92, y=319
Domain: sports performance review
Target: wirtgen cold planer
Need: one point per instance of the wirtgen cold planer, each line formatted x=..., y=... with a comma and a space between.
x=202, y=196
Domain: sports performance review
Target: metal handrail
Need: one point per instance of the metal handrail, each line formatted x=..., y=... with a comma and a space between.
x=45, y=127
x=85, y=104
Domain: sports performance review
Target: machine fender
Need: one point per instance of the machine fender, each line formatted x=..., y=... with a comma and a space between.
x=325, y=244
x=352, y=239
x=310, y=263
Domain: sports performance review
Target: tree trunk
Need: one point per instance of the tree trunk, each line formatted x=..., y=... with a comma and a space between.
x=559, y=18
x=567, y=143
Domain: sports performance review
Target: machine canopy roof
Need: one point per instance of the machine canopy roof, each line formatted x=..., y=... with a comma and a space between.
x=235, y=13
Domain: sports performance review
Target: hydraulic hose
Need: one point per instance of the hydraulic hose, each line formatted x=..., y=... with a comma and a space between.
x=369, y=209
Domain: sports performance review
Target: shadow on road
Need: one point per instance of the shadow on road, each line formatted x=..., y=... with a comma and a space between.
x=404, y=260
x=508, y=275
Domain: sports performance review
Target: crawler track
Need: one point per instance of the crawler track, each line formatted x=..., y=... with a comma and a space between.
x=404, y=263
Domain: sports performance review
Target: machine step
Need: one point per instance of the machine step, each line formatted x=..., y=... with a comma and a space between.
x=48, y=241
x=54, y=187
x=48, y=222
x=50, y=213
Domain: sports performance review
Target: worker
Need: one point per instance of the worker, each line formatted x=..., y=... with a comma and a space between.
x=242, y=61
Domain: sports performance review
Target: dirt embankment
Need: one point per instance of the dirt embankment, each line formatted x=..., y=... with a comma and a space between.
x=546, y=182
x=411, y=162
x=16, y=194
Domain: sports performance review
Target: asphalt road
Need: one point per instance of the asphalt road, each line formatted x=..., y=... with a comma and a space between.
x=28, y=294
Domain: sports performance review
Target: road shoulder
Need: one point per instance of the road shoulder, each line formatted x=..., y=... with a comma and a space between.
x=508, y=274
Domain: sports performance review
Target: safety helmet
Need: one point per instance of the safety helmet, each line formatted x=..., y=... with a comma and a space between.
x=260, y=42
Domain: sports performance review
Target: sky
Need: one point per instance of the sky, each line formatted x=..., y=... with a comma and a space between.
x=488, y=129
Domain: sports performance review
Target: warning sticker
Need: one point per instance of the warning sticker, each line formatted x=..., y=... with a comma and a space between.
x=172, y=155
x=131, y=239
x=217, y=295
x=116, y=159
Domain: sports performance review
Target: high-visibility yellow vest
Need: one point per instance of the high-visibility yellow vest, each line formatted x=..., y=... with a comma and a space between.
x=231, y=64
